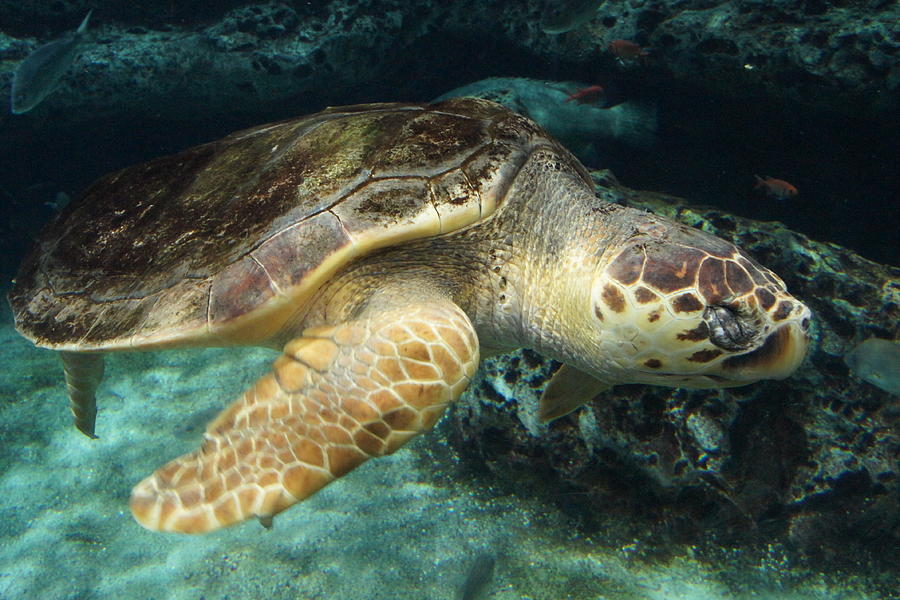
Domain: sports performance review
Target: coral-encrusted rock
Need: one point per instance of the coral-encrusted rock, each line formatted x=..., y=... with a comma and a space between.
x=811, y=459
x=790, y=49
x=179, y=62
x=828, y=55
x=253, y=59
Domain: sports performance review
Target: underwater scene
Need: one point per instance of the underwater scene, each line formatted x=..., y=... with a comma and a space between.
x=632, y=269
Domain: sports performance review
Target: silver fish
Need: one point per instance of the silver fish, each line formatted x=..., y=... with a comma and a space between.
x=878, y=362
x=40, y=72
x=59, y=202
x=562, y=16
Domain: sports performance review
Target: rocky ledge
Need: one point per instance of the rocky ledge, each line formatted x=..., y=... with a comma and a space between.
x=174, y=60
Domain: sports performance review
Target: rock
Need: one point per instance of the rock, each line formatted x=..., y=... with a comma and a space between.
x=161, y=59
x=822, y=54
x=811, y=460
x=253, y=59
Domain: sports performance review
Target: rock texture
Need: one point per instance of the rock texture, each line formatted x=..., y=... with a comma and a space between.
x=176, y=59
x=826, y=54
x=811, y=461
x=250, y=59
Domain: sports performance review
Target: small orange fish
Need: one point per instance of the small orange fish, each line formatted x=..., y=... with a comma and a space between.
x=587, y=95
x=625, y=50
x=777, y=188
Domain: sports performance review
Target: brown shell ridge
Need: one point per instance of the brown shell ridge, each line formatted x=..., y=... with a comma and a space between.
x=222, y=242
x=366, y=177
x=275, y=287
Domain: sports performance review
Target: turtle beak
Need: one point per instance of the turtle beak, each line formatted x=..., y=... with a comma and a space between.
x=778, y=357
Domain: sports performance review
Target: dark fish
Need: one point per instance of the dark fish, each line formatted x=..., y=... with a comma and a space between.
x=624, y=50
x=40, y=72
x=479, y=577
x=588, y=95
x=193, y=426
x=777, y=188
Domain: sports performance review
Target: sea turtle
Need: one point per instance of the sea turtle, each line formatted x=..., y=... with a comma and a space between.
x=384, y=248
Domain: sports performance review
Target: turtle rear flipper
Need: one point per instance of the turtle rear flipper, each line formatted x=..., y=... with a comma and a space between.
x=336, y=397
x=84, y=372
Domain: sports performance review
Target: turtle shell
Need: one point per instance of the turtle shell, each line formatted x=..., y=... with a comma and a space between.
x=222, y=243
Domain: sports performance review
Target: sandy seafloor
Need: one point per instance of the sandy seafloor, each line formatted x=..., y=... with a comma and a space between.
x=391, y=529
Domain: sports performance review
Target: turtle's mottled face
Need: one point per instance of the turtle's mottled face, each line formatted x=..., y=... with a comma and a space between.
x=680, y=307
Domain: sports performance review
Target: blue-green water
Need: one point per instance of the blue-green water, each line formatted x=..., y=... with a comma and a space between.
x=397, y=527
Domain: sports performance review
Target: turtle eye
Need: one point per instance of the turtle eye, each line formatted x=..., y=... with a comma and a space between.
x=726, y=329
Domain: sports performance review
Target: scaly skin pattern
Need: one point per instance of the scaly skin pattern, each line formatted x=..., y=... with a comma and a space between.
x=338, y=396
x=83, y=373
x=681, y=307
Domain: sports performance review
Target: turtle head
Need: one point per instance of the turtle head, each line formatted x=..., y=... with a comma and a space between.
x=677, y=306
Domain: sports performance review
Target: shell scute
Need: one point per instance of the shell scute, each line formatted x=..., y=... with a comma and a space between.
x=430, y=144
x=221, y=242
x=289, y=255
x=452, y=195
x=402, y=206
x=239, y=288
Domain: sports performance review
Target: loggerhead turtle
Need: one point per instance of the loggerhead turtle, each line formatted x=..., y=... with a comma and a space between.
x=384, y=247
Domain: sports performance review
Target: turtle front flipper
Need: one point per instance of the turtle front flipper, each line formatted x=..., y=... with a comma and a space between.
x=568, y=389
x=336, y=397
